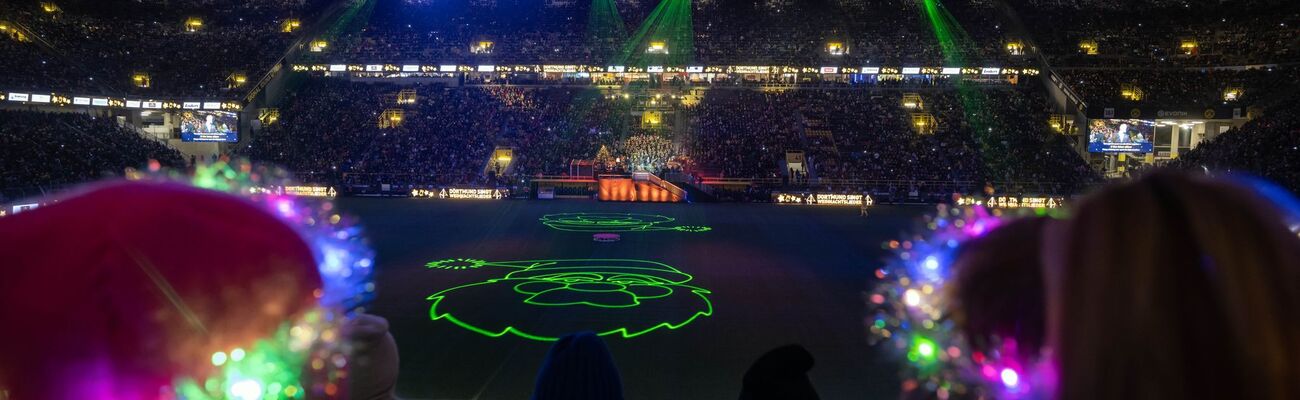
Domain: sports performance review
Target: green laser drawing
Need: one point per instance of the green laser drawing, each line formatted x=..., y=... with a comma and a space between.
x=544, y=300
x=615, y=222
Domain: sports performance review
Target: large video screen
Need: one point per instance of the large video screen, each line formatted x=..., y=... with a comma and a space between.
x=209, y=126
x=1120, y=136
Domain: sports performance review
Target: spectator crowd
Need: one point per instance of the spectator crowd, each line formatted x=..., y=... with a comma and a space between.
x=41, y=151
x=98, y=47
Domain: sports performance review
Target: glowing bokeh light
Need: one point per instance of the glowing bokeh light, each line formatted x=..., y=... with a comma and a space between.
x=912, y=298
x=247, y=389
x=1010, y=377
x=931, y=263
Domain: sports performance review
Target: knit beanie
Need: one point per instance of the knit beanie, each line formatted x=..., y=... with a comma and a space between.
x=113, y=292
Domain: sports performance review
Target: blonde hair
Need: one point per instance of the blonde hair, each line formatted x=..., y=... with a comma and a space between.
x=1175, y=287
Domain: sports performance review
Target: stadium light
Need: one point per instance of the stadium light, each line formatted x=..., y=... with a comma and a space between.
x=290, y=25
x=236, y=79
x=657, y=47
x=913, y=101
x=141, y=79
x=482, y=47
x=836, y=48
x=1130, y=91
x=1232, y=94
x=1089, y=47
x=1015, y=48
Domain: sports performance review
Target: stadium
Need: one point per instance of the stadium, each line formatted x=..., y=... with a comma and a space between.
x=649, y=199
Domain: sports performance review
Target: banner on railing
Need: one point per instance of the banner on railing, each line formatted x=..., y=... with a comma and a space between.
x=1013, y=202
x=461, y=193
x=823, y=199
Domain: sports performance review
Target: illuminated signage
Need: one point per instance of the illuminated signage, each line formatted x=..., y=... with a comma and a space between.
x=830, y=70
x=616, y=68
x=81, y=101
x=152, y=104
x=1013, y=202
x=99, y=102
x=133, y=104
x=40, y=98
x=487, y=68
x=990, y=71
x=560, y=68
x=338, y=67
x=374, y=68
x=911, y=70
x=19, y=97
x=446, y=68
x=17, y=208
x=694, y=70
x=310, y=191
x=752, y=70
x=824, y=199
x=654, y=69
x=871, y=70
x=211, y=105
x=410, y=68
x=951, y=71
x=461, y=193
x=190, y=105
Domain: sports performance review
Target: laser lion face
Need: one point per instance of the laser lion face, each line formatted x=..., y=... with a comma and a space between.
x=546, y=299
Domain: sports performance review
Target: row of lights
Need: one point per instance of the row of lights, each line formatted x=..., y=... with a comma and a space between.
x=143, y=80
x=1186, y=46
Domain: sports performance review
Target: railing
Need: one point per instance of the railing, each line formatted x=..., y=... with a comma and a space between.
x=922, y=185
x=561, y=178
x=671, y=188
x=868, y=185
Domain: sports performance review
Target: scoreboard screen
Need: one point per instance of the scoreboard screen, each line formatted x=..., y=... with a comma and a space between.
x=209, y=126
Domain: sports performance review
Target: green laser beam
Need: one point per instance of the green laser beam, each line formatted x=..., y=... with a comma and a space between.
x=613, y=297
x=605, y=29
x=953, y=41
x=670, y=22
x=615, y=222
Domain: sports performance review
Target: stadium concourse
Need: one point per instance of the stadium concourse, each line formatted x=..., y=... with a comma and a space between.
x=695, y=182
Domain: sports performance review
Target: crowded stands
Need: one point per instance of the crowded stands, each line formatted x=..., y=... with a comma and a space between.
x=1061, y=141
x=852, y=129
x=778, y=32
x=1176, y=33
x=179, y=48
x=1185, y=88
x=1267, y=147
x=42, y=152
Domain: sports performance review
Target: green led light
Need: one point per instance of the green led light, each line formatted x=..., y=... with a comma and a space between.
x=614, y=222
x=922, y=349
x=612, y=297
